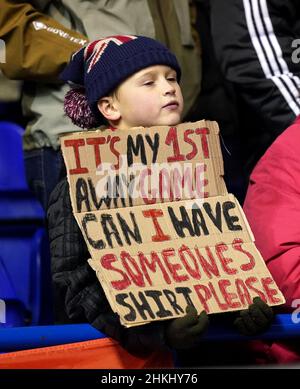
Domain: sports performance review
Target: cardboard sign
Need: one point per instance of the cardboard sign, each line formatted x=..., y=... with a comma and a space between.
x=155, y=258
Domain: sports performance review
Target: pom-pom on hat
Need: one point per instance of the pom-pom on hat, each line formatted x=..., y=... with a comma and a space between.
x=99, y=68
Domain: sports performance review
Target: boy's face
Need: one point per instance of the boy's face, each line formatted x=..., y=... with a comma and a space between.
x=150, y=97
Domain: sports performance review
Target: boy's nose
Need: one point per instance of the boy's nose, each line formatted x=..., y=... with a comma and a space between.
x=169, y=89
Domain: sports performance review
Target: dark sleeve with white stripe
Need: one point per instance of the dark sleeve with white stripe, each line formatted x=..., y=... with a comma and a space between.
x=253, y=43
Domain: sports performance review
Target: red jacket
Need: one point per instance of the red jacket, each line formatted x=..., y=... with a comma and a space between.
x=272, y=207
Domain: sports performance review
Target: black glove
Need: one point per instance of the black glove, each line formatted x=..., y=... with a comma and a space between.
x=256, y=319
x=185, y=332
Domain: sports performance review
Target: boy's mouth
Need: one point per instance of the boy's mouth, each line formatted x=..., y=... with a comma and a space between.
x=171, y=105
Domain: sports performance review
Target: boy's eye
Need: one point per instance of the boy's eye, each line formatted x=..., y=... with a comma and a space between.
x=172, y=78
x=149, y=82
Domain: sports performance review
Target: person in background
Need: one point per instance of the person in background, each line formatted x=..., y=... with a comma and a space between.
x=10, y=107
x=272, y=207
x=255, y=42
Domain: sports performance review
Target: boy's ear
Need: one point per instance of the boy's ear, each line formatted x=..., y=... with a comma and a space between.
x=109, y=109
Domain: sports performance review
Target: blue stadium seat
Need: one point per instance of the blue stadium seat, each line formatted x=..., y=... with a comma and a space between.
x=12, y=310
x=12, y=174
x=16, y=202
x=25, y=280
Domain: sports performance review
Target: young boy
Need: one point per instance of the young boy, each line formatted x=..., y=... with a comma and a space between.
x=129, y=81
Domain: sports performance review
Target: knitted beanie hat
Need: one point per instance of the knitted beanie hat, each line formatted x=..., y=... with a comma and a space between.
x=98, y=69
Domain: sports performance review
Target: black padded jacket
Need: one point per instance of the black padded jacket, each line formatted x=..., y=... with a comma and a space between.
x=258, y=48
x=78, y=292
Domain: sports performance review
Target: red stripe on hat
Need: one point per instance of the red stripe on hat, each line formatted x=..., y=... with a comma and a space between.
x=89, y=49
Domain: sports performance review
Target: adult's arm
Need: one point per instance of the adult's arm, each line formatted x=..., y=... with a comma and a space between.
x=253, y=44
x=37, y=47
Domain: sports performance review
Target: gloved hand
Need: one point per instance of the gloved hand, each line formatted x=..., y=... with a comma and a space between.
x=256, y=319
x=184, y=332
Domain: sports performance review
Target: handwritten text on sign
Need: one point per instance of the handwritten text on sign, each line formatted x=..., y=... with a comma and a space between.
x=112, y=169
x=154, y=261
